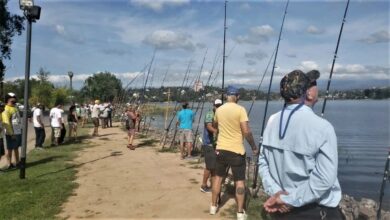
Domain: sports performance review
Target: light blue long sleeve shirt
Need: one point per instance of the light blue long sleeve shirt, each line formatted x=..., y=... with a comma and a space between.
x=304, y=163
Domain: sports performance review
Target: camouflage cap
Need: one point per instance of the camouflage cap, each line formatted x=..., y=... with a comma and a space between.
x=294, y=85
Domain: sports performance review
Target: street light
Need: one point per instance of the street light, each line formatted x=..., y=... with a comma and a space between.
x=70, y=74
x=32, y=14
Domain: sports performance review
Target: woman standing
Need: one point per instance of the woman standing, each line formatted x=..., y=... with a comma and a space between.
x=130, y=126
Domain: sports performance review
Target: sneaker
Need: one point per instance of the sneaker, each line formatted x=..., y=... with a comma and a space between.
x=205, y=189
x=213, y=210
x=10, y=167
x=242, y=216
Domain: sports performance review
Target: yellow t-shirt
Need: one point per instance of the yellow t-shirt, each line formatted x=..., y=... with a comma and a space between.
x=230, y=138
x=11, y=120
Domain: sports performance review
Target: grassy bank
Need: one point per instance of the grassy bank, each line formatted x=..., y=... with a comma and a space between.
x=49, y=182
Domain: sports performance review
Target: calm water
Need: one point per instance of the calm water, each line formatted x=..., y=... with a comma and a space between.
x=363, y=132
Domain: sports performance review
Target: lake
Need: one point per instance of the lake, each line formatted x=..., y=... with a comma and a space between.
x=363, y=132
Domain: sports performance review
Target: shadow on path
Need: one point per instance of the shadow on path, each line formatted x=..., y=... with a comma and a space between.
x=113, y=154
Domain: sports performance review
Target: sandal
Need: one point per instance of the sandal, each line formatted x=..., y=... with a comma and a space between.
x=131, y=147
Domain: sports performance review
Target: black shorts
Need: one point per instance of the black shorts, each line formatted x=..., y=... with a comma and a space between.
x=310, y=211
x=209, y=157
x=2, y=150
x=226, y=159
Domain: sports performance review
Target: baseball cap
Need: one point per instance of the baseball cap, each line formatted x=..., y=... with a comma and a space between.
x=231, y=90
x=218, y=102
x=9, y=96
x=294, y=84
x=313, y=75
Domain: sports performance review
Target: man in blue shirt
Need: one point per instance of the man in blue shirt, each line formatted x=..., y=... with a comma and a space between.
x=185, y=117
x=299, y=160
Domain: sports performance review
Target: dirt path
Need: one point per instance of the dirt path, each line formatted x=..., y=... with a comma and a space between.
x=117, y=183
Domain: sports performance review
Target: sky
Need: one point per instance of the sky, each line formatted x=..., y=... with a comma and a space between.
x=120, y=36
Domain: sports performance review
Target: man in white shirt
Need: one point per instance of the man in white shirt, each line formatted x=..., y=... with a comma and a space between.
x=39, y=127
x=56, y=123
x=95, y=117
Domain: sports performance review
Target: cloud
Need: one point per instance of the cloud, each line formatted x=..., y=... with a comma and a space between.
x=314, y=30
x=257, y=55
x=60, y=29
x=256, y=35
x=251, y=62
x=382, y=36
x=115, y=51
x=62, y=32
x=166, y=39
x=158, y=5
x=245, y=6
x=359, y=69
x=291, y=55
x=308, y=65
x=201, y=45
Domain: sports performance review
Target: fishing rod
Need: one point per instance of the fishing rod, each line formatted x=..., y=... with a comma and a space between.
x=262, y=78
x=216, y=60
x=147, y=105
x=224, y=57
x=118, y=102
x=165, y=135
x=254, y=185
x=386, y=178
x=334, y=60
x=151, y=118
x=197, y=80
x=165, y=75
x=147, y=78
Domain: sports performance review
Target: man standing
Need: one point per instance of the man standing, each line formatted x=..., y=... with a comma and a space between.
x=2, y=150
x=95, y=117
x=185, y=117
x=39, y=127
x=299, y=160
x=232, y=122
x=209, y=138
x=56, y=123
x=13, y=128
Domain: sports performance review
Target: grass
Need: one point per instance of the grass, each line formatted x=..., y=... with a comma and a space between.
x=49, y=182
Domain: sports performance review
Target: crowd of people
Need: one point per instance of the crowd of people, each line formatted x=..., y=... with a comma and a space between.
x=77, y=115
x=297, y=160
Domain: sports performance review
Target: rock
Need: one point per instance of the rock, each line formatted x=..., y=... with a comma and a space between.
x=367, y=209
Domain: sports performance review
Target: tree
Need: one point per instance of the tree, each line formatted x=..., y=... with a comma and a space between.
x=104, y=86
x=42, y=89
x=9, y=26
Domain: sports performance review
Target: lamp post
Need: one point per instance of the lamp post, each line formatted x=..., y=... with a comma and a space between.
x=32, y=13
x=70, y=74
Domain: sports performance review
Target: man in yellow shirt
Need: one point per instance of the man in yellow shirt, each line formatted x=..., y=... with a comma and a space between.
x=232, y=122
x=13, y=128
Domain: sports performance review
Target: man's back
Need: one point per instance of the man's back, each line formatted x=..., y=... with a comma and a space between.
x=230, y=137
x=185, y=118
x=304, y=162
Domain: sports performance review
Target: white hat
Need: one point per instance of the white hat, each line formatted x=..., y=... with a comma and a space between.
x=218, y=102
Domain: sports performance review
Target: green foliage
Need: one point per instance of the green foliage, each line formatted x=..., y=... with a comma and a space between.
x=42, y=89
x=9, y=26
x=60, y=96
x=104, y=86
